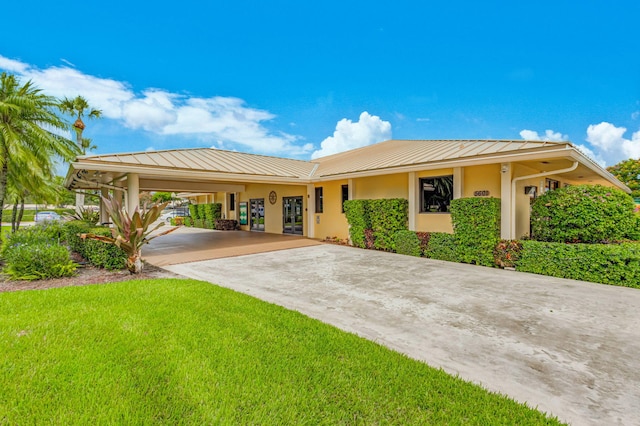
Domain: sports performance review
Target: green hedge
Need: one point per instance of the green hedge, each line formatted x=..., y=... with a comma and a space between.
x=104, y=255
x=357, y=213
x=407, y=242
x=615, y=264
x=442, y=246
x=583, y=213
x=194, y=212
x=388, y=216
x=476, y=224
x=98, y=253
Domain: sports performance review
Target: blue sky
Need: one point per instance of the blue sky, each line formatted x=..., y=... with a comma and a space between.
x=304, y=79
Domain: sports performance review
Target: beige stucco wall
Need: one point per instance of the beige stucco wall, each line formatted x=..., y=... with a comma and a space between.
x=384, y=186
x=331, y=222
x=273, y=212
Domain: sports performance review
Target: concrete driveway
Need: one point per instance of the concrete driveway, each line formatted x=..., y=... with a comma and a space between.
x=569, y=348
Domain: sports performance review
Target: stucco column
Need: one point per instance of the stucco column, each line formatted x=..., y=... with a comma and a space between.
x=311, y=210
x=104, y=216
x=413, y=200
x=133, y=192
x=352, y=189
x=458, y=182
x=505, y=201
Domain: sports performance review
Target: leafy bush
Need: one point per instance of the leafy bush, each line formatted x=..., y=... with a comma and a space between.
x=615, y=264
x=72, y=231
x=388, y=216
x=442, y=246
x=107, y=256
x=507, y=253
x=188, y=221
x=212, y=212
x=407, y=242
x=38, y=261
x=476, y=224
x=201, y=215
x=583, y=213
x=357, y=214
x=36, y=252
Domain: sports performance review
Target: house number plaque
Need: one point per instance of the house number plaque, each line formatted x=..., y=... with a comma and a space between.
x=483, y=193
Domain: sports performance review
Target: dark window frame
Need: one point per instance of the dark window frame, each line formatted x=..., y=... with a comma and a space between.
x=439, y=199
x=319, y=193
x=232, y=202
x=344, y=196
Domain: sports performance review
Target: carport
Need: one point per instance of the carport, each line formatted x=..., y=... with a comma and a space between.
x=195, y=244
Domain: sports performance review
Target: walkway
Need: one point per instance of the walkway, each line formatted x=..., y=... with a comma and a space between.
x=567, y=347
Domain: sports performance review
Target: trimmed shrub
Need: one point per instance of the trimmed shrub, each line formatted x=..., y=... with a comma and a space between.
x=357, y=215
x=614, y=264
x=507, y=253
x=387, y=216
x=188, y=221
x=583, y=213
x=212, y=212
x=442, y=246
x=101, y=254
x=407, y=242
x=193, y=211
x=200, y=209
x=476, y=224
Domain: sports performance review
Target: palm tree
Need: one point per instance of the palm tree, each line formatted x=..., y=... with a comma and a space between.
x=28, y=143
x=77, y=108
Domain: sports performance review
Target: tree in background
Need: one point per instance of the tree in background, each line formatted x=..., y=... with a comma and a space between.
x=28, y=143
x=78, y=107
x=628, y=172
x=161, y=197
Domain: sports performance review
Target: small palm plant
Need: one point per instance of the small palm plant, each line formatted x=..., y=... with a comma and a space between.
x=130, y=233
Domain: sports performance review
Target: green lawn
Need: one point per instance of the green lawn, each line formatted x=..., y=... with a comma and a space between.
x=183, y=351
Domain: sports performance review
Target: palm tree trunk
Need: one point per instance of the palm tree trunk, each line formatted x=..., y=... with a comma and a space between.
x=14, y=215
x=3, y=188
x=20, y=213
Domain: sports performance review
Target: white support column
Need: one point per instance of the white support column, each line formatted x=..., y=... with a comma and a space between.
x=413, y=200
x=352, y=189
x=505, y=201
x=311, y=210
x=458, y=182
x=104, y=216
x=133, y=192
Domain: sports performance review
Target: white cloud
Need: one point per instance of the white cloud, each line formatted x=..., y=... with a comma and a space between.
x=369, y=129
x=549, y=135
x=591, y=154
x=225, y=119
x=610, y=143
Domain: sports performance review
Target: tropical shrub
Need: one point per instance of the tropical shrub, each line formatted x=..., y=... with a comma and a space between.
x=72, y=231
x=407, y=242
x=583, y=213
x=193, y=211
x=130, y=233
x=87, y=214
x=476, y=224
x=615, y=264
x=442, y=246
x=188, y=221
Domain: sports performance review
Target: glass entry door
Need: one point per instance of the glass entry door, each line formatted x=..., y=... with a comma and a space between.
x=292, y=215
x=257, y=214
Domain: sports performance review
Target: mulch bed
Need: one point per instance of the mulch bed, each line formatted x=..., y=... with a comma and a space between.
x=85, y=275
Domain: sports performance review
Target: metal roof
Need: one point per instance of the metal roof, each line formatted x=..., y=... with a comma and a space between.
x=402, y=153
x=208, y=160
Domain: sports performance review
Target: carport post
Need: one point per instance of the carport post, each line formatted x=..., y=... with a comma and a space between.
x=104, y=216
x=133, y=192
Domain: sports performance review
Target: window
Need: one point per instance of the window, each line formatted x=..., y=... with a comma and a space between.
x=319, y=201
x=345, y=195
x=436, y=194
x=551, y=184
x=232, y=202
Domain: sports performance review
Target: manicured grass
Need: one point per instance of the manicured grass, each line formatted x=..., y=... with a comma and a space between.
x=183, y=351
